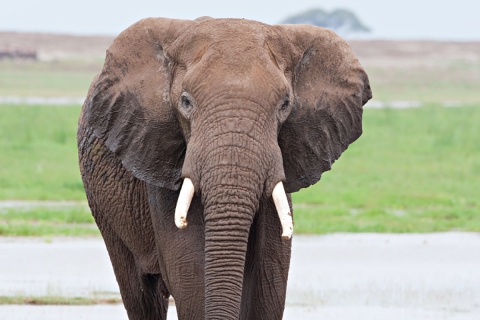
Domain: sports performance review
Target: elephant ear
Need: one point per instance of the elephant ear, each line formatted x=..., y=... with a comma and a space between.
x=128, y=105
x=330, y=88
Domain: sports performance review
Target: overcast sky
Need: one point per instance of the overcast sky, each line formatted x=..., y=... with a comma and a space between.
x=398, y=19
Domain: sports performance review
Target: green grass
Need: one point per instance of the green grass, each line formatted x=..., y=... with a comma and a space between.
x=74, y=214
x=75, y=221
x=414, y=170
x=36, y=229
x=38, y=158
x=326, y=219
x=47, y=79
x=455, y=81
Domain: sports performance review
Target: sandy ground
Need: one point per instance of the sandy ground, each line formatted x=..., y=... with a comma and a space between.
x=339, y=276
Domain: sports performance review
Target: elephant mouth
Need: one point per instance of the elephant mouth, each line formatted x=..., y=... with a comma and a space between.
x=279, y=198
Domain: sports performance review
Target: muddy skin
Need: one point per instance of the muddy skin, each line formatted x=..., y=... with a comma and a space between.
x=236, y=106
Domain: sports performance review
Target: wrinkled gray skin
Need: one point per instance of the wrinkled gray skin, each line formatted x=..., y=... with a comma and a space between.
x=236, y=106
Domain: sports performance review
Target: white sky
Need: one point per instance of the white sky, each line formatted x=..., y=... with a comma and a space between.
x=399, y=19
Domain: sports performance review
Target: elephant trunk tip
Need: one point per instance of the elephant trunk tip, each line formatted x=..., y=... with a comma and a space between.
x=183, y=203
x=283, y=209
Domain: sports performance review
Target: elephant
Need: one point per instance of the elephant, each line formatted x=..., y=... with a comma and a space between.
x=191, y=140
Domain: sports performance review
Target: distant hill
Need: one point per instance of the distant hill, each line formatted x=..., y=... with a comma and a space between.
x=343, y=22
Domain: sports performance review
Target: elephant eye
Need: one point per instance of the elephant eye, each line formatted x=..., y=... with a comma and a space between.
x=286, y=103
x=284, y=110
x=186, y=103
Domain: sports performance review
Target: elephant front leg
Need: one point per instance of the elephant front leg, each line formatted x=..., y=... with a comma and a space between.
x=180, y=252
x=266, y=266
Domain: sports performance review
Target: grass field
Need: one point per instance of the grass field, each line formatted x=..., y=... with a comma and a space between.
x=75, y=221
x=38, y=153
x=457, y=81
x=47, y=79
x=413, y=170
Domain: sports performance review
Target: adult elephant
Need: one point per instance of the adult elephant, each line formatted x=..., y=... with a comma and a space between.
x=212, y=117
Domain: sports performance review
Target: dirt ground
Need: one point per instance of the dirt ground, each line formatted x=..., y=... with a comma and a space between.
x=381, y=53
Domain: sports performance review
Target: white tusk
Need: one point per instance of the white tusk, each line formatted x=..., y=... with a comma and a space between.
x=283, y=208
x=183, y=203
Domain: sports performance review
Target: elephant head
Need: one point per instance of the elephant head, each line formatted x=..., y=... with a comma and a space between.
x=236, y=110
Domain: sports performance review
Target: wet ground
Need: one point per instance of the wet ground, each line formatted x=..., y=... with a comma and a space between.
x=339, y=276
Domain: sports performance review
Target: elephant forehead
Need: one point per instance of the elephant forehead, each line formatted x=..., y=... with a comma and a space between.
x=231, y=56
x=233, y=77
x=226, y=36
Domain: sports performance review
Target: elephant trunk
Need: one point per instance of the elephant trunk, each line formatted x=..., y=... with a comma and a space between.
x=227, y=226
x=241, y=162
